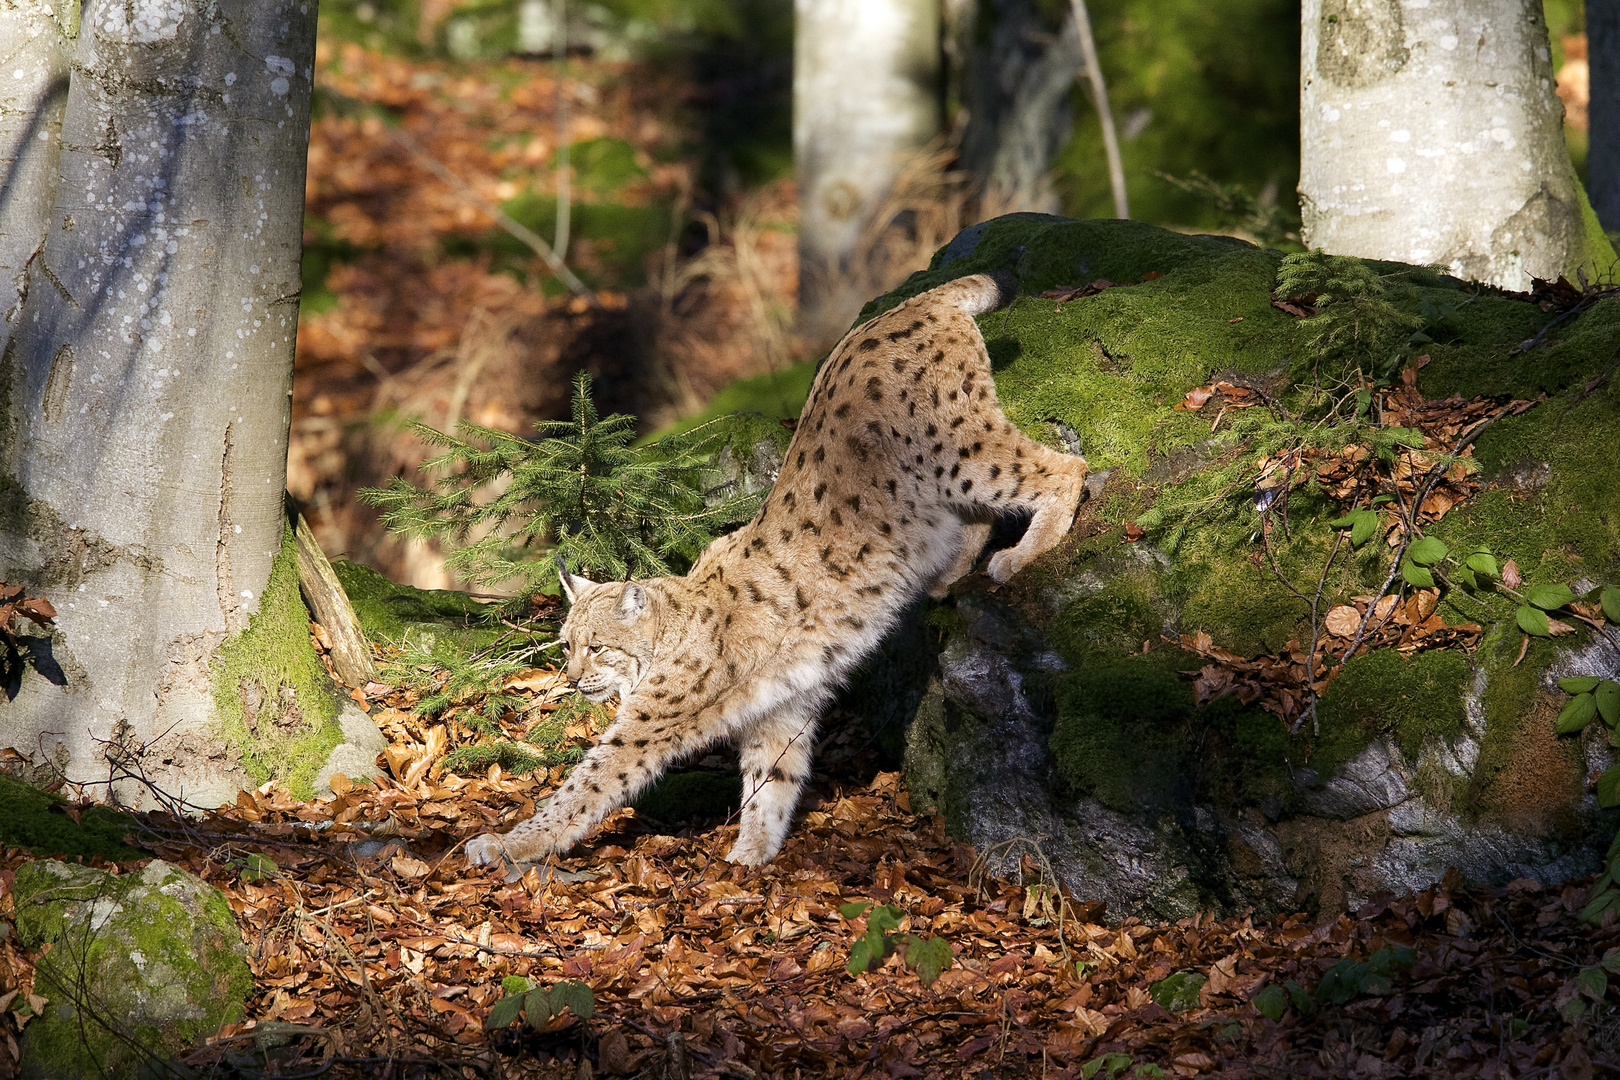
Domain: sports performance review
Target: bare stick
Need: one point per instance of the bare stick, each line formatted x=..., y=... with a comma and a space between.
x=564, y=166
x=1099, y=97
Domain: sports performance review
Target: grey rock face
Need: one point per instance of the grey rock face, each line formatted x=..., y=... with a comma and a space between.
x=143, y=964
x=356, y=756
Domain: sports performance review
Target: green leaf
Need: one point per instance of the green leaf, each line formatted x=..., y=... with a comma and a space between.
x=537, y=1008
x=1579, y=684
x=1611, y=962
x=1465, y=577
x=1608, y=788
x=1610, y=599
x=1483, y=562
x=1366, y=524
x=928, y=957
x=884, y=919
x=1573, y=1009
x=1428, y=550
x=854, y=910
x=1602, y=900
x=1594, y=982
x=1149, y=1071
x=258, y=867
x=574, y=995
x=1303, y=1003
x=1577, y=714
x=1418, y=576
x=1608, y=701
x=1179, y=992
x=504, y=1011
x=860, y=956
x=1380, y=500
x=1532, y=621
x=516, y=984
x=1272, y=1002
x=1549, y=597
x=1113, y=1064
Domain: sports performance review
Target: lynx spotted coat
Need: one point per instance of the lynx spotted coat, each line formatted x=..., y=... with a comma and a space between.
x=900, y=461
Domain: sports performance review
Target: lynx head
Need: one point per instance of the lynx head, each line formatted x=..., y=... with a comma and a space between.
x=609, y=635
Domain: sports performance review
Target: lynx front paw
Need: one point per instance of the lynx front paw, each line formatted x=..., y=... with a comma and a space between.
x=486, y=850
x=752, y=851
x=1004, y=564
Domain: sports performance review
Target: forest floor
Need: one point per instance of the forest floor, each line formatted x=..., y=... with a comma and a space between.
x=371, y=937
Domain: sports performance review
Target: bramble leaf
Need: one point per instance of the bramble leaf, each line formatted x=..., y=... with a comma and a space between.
x=1483, y=562
x=1532, y=621
x=1272, y=1002
x=1579, y=684
x=574, y=995
x=1610, y=599
x=1427, y=550
x=1608, y=701
x=1549, y=597
x=1577, y=714
x=928, y=957
x=854, y=910
x=1418, y=576
x=1608, y=787
x=537, y=1008
x=504, y=1011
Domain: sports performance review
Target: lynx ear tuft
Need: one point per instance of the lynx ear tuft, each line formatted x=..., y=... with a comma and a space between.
x=572, y=584
x=633, y=602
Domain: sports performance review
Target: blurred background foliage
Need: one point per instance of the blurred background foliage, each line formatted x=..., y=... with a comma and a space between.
x=674, y=118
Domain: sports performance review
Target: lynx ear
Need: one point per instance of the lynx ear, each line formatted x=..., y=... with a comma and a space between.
x=633, y=602
x=572, y=584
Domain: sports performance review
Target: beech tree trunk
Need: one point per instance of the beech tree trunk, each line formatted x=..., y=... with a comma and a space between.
x=1021, y=61
x=150, y=225
x=1430, y=133
x=866, y=92
x=1603, y=110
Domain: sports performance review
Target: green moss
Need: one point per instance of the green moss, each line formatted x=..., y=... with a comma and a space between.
x=779, y=395
x=35, y=821
x=433, y=618
x=1382, y=692
x=1118, y=734
x=143, y=965
x=273, y=699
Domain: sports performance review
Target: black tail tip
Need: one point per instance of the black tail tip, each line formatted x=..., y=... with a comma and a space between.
x=1006, y=286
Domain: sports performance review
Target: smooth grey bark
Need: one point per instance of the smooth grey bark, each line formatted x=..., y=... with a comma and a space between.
x=34, y=43
x=1430, y=132
x=1603, y=109
x=866, y=93
x=1019, y=68
x=147, y=375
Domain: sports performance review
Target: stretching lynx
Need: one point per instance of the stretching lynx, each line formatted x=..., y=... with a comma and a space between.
x=898, y=465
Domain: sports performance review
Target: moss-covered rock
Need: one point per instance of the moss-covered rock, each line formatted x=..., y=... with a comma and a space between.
x=433, y=619
x=141, y=966
x=1062, y=706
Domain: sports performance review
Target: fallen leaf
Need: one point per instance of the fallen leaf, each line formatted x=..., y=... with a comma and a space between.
x=1510, y=575
x=1342, y=621
x=407, y=867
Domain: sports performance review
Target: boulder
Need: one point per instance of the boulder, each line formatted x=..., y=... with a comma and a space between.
x=142, y=965
x=1064, y=707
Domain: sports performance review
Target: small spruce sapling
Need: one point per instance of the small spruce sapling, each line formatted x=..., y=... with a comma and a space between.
x=1356, y=313
x=504, y=505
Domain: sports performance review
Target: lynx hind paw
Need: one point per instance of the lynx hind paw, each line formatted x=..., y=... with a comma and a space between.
x=749, y=851
x=485, y=850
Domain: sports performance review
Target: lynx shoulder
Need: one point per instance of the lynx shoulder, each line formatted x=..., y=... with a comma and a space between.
x=900, y=462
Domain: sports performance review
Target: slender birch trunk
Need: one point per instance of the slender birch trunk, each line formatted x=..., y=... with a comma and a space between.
x=1430, y=133
x=866, y=93
x=151, y=225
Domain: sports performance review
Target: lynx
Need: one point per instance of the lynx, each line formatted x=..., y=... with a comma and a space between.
x=898, y=466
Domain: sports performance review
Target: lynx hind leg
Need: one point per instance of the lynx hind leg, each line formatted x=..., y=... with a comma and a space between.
x=974, y=535
x=1054, y=484
x=775, y=766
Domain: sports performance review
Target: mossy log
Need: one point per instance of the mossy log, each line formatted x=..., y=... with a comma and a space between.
x=1062, y=708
